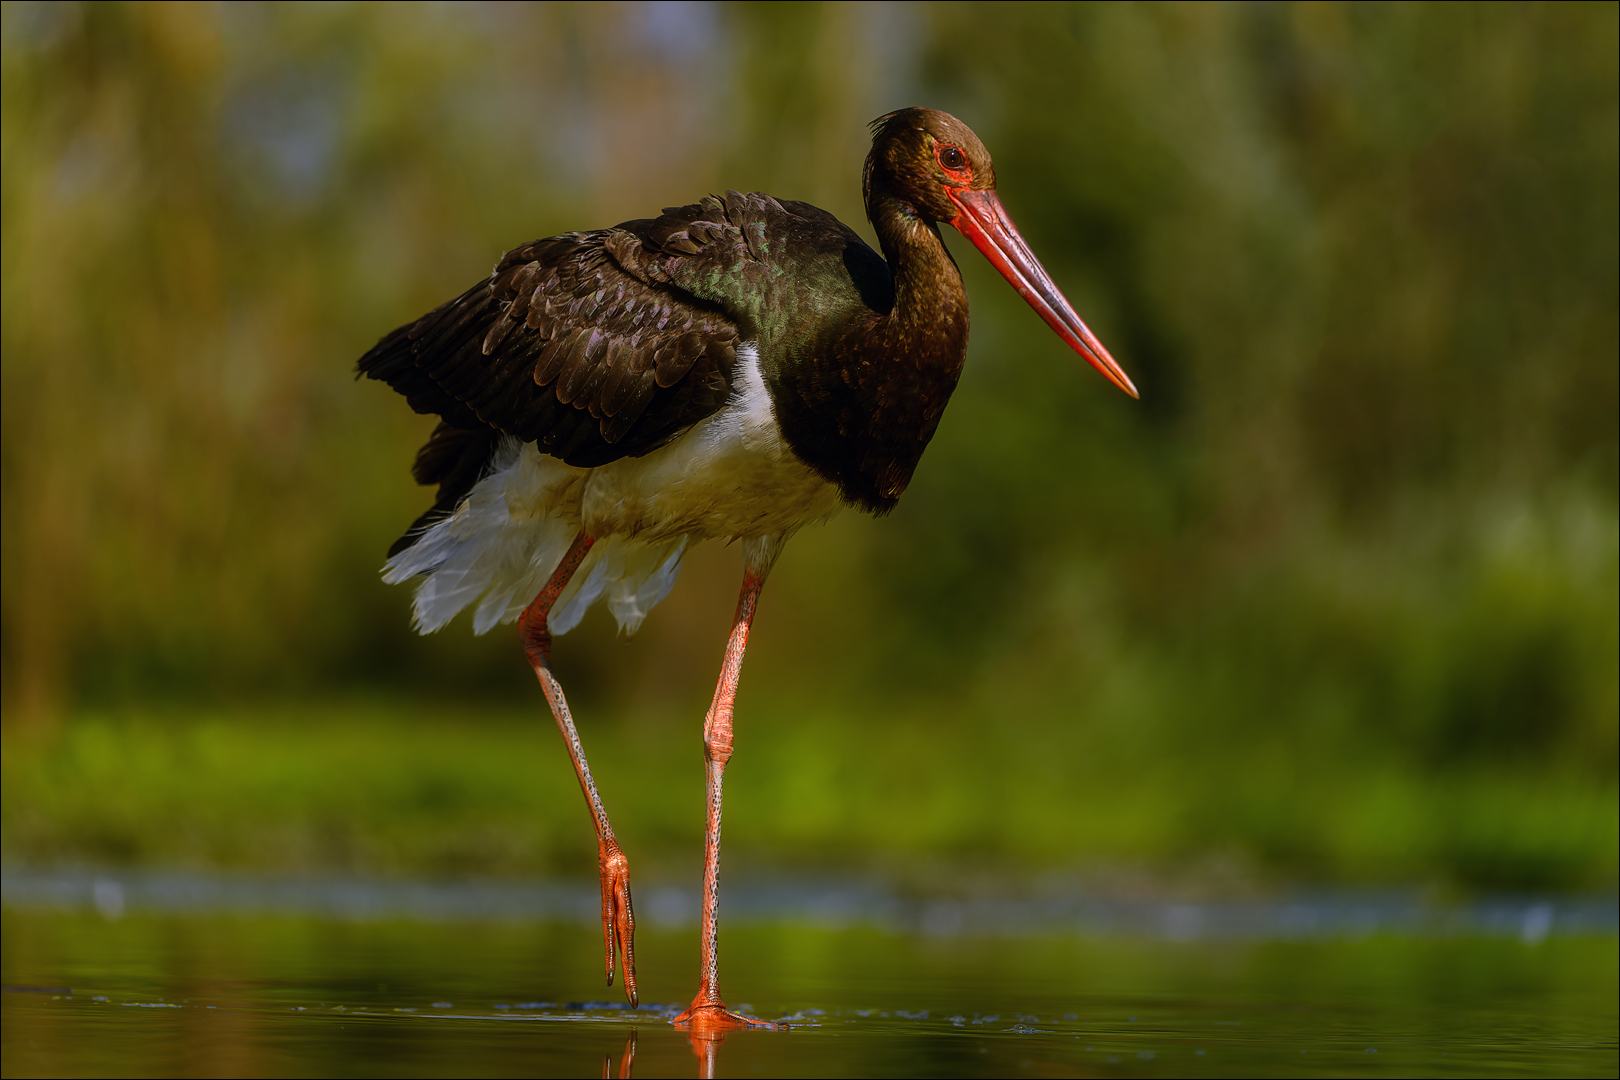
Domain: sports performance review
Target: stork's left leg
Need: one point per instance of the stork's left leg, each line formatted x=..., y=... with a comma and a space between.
x=708, y=1013
x=618, y=917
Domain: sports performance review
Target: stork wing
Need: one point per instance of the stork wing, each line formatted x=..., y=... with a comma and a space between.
x=606, y=344
x=563, y=347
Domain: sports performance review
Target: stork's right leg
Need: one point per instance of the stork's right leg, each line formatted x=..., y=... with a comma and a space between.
x=618, y=919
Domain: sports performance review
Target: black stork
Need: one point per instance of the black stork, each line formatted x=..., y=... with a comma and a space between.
x=734, y=369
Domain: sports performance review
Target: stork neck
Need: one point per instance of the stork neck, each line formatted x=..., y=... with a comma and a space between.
x=930, y=303
x=862, y=405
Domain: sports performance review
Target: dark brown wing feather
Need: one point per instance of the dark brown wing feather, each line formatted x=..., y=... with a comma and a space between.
x=578, y=343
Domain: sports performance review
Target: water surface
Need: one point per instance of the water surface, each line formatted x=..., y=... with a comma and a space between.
x=99, y=984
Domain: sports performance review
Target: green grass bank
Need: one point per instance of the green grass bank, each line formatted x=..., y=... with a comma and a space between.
x=363, y=787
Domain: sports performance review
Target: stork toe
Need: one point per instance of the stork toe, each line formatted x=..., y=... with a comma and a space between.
x=618, y=916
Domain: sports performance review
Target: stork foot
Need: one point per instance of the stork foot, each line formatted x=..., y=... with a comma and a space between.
x=712, y=1020
x=618, y=917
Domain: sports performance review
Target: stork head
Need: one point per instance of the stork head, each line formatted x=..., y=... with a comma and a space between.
x=934, y=167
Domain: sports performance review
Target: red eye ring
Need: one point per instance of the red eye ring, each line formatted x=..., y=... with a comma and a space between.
x=952, y=159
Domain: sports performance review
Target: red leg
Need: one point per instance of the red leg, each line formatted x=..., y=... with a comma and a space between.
x=618, y=919
x=708, y=1013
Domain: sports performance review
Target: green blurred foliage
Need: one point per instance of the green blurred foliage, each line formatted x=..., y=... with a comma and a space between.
x=1337, y=597
x=360, y=786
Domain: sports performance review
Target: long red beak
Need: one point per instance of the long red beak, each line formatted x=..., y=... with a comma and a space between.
x=984, y=221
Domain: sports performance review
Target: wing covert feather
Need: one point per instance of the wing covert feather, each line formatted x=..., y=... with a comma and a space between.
x=575, y=342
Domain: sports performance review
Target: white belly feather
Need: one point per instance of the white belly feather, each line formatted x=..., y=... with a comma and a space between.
x=730, y=476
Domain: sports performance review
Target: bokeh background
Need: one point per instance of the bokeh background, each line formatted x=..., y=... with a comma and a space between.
x=1335, y=603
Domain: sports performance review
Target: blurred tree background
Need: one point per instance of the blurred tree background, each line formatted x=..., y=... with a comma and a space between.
x=1336, y=601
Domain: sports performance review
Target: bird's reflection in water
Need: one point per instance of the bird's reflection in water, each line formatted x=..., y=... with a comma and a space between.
x=628, y=1061
x=706, y=1045
x=706, y=1031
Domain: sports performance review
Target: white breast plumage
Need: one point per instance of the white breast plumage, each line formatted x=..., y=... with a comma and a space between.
x=730, y=476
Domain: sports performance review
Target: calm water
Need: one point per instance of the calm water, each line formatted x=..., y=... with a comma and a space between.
x=174, y=977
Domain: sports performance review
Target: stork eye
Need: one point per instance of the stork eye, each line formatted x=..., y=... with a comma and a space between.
x=952, y=158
